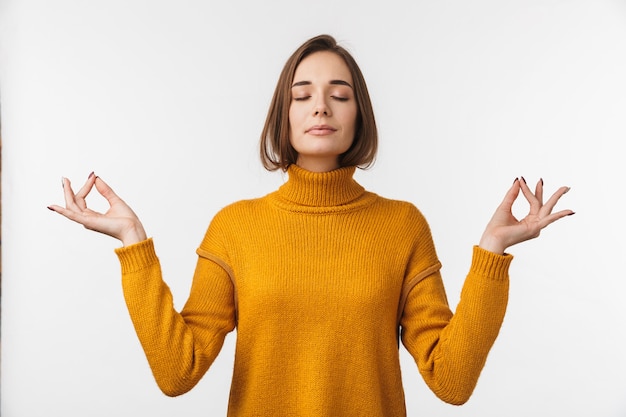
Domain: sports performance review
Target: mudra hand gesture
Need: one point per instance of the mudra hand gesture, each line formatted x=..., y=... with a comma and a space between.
x=504, y=230
x=119, y=221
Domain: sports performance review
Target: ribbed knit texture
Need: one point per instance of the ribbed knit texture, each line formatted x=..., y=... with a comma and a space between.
x=320, y=278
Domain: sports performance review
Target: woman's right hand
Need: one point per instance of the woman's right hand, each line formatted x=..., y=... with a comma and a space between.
x=119, y=221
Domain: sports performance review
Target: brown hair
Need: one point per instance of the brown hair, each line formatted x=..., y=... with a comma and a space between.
x=276, y=150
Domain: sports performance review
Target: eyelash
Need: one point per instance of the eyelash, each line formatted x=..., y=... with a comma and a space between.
x=342, y=99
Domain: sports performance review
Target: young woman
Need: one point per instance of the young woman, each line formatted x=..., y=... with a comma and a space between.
x=321, y=278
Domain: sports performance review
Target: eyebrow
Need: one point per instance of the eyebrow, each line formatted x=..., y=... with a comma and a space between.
x=332, y=82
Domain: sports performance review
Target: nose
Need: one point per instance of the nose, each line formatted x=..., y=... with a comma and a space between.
x=321, y=108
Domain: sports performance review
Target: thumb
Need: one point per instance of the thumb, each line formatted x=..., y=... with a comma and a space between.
x=106, y=191
x=511, y=195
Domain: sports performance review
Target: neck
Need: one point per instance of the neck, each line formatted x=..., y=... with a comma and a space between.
x=317, y=190
x=317, y=164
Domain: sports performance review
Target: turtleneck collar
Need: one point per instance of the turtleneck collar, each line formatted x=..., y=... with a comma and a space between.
x=319, y=189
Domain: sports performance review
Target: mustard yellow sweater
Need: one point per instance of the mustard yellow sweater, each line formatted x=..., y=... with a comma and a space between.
x=321, y=279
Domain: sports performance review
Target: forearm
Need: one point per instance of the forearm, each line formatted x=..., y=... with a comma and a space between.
x=178, y=357
x=451, y=353
x=474, y=327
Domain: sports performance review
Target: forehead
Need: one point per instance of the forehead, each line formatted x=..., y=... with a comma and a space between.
x=323, y=67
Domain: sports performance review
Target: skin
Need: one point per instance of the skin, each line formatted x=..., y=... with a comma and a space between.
x=502, y=231
x=119, y=221
x=322, y=119
x=323, y=111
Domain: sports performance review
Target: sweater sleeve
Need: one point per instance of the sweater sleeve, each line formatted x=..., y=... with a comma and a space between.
x=451, y=350
x=179, y=347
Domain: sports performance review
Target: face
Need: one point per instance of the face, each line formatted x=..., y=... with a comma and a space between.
x=323, y=111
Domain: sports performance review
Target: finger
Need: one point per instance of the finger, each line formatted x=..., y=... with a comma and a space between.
x=554, y=217
x=549, y=206
x=530, y=197
x=81, y=195
x=68, y=213
x=68, y=193
x=539, y=191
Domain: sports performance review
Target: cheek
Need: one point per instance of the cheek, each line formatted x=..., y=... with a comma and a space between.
x=294, y=118
x=351, y=118
x=293, y=126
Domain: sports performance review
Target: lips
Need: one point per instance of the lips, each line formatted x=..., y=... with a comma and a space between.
x=321, y=130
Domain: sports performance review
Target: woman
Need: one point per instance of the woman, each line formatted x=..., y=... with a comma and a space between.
x=320, y=277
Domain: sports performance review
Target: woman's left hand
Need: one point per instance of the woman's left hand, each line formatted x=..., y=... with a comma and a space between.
x=504, y=230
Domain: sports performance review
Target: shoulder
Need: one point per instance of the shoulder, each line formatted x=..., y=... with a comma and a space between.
x=399, y=217
x=401, y=208
x=229, y=221
x=239, y=210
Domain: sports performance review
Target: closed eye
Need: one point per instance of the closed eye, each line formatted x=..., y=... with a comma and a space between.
x=303, y=98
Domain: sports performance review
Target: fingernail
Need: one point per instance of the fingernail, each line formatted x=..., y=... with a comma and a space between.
x=63, y=182
x=523, y=180
x=572, y=213
x=541, y=180
x=566, y=191
x=90, y=175
x=50, y=208
x=515, y=180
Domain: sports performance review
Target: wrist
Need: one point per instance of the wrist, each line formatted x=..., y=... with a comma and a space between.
x=492, y=244
x=133, y=235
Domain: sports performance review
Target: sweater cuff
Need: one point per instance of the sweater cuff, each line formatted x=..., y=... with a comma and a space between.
x=138, y=256
x=490, y=265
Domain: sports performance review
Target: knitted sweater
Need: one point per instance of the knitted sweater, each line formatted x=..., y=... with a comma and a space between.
x=321, y=278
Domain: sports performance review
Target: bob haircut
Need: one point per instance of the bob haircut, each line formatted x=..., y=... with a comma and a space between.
x=276, y=149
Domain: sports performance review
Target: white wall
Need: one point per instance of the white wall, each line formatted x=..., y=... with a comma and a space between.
x=165, y=100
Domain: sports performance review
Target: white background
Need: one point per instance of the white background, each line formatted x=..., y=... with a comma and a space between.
x=166, y=100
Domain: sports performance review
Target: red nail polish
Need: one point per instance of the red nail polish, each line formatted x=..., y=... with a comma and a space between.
x=523, y=180
x=50, y=208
